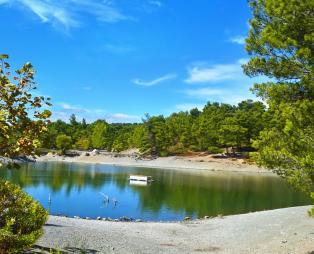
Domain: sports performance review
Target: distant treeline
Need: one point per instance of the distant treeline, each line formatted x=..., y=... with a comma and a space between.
x=216, y=127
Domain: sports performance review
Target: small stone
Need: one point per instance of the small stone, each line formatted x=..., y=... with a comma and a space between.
x=116, y=220
x=284, y=241
x=138, y=220
x=98, y=218
x=76, y=217
x=206, y=217
x=187, y=218
x=112, y=248
x=123, y=219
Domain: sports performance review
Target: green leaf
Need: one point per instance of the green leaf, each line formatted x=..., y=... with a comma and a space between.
x=4, y=56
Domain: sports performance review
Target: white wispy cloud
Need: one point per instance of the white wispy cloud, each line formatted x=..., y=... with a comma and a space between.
x=87, y=88
x=48, y=11
x=155, y=81
x=68, y=13
x=216, y=95
x=60, y=115
x=238, y=39
x=103, y=10
x=203, y=93
x=234, y=99
x=202, y=73
x=64, y=110
x=156, y=3
x=122, y=118
x=72, y=108
x=189, y=106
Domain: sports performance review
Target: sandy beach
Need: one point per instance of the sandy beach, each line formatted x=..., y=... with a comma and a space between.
x=280, y=231
x=200, y=162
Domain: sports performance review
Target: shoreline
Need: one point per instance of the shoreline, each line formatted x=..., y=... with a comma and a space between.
x=182, y=163
x=286, y=230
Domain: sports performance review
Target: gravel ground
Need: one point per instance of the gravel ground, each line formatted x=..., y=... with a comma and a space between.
x=287, y=230
x=189, y=163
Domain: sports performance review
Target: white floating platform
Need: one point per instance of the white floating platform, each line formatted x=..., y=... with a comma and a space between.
x=140, y=178
x=139, y=183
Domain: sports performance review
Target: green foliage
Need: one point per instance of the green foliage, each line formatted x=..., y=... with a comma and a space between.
x=19, y=129
x=218, y=125
x=287, y=146
x=251, y=116
x=73, y=121
x=281, y=43
x=137, y=136
x=54, y=251
x=206, y=126
x=121, y=142
x=63, y=142
x=178, y=148
x=83, y=143
x=21, y=219
x=157, y=139
x=231, y=133
x=99, y=133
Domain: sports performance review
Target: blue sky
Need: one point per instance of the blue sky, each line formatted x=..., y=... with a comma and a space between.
x=118, y=59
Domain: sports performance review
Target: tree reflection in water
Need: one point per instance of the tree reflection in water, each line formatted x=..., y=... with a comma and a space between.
x=173, y=194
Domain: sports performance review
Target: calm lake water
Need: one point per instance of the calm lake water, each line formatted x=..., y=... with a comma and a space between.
x=75, y=191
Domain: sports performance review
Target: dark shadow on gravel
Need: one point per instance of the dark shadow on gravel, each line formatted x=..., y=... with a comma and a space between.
x=36, y=249
x=53, y=225
x=78, y=250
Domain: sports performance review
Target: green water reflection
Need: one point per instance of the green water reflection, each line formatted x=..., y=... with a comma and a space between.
x=174, y=194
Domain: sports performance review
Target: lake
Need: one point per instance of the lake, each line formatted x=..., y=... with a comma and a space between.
x=79, y=189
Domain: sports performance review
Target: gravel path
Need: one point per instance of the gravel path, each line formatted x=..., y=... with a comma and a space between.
x=287, y=230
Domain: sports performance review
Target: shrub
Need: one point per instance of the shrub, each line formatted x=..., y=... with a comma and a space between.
x=21, y=219
x=83, y=144
x=194, y=148
x=163, y=154
x=177, y=149
x=63, y=142
x=214, y=149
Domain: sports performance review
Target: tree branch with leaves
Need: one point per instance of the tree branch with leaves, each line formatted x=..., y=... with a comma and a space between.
x=23, y=116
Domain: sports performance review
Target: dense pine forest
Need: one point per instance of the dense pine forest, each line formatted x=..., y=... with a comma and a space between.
x=216, y=127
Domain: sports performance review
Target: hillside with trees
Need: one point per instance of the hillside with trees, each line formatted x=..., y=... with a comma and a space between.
x=216, y=127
